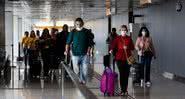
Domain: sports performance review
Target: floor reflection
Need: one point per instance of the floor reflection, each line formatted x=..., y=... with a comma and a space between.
x=56, y=86
x=68, y=91
x=19, y=77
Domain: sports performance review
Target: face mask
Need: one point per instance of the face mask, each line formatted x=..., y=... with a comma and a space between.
x=143, y=33
x=79, y=28
x=123, y=33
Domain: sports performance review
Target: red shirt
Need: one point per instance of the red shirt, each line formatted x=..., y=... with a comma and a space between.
x=118, y=44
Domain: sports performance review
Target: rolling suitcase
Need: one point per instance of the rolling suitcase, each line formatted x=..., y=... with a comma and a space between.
x=135, y=72
x=107, y=83
x=106, y=60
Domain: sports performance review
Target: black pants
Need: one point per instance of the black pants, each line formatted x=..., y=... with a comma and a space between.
x=46, y=57
x=124, y=70
x=34, y=63
x=25, y=50
x=32, y=55
x=56, y=60
x=114, y=63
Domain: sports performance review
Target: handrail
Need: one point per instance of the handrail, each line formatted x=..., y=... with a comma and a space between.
x=84, y=90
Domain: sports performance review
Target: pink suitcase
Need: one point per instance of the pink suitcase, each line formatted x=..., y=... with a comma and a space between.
x=107, y=83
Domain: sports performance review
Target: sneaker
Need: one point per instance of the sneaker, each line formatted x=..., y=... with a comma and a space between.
x=33, y=77
x=124, y=93
x=148, y=84
x=142, y=83
x=80, y=81
x=37, y=77
x=83, y=82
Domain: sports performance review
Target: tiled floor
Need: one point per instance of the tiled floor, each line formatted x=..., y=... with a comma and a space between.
x=46, y=89
x=70, y=92
x=21, y=88
x=161, y=89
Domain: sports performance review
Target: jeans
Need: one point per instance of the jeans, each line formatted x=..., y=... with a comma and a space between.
x=145, y=64
x=80, y=64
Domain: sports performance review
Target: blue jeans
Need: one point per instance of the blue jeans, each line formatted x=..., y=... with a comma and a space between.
x=145, y=64
x=80, y=64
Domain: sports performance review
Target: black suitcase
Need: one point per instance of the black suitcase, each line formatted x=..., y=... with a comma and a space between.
x=136, y=73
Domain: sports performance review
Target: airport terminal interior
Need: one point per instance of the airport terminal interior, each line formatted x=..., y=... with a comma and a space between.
x=79, y=49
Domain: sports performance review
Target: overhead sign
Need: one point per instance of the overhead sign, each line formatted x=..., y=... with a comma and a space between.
x=111, y=7
x=108, y=7
x=143, y=2
x=108, y=11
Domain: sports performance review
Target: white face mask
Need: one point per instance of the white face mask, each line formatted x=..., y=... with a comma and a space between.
x=143, y=33
x=79, y=28
x=123, y=33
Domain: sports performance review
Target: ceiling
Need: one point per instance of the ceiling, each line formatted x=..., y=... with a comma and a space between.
x=64, y=9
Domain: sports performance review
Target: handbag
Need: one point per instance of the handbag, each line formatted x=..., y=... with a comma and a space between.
x=130, y=59
x=149, y=52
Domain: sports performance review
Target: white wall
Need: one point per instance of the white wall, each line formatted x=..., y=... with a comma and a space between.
x=167, y=29
x=15, y=35
x=118, y=20
x=100, y=29
x=8, y=32
x=20, y=28
x=26, y=26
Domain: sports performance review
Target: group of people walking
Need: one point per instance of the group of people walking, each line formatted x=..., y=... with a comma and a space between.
x=54, y=46
x=122, y=46
x=49, y=47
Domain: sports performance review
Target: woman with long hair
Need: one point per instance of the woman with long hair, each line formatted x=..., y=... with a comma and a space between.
x=45, y=45
x=33, y=54
x=144, y=46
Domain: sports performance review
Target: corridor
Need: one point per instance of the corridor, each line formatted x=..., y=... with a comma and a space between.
x=91, y=49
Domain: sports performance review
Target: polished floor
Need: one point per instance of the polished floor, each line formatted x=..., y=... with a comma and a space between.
x=20, y=86
x=162, y=88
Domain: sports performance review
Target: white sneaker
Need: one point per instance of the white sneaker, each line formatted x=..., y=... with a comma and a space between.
x=84, y=82
x=148, y=84
x=142, y=83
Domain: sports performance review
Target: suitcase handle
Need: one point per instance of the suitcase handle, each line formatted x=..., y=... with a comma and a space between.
x=111, y=61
